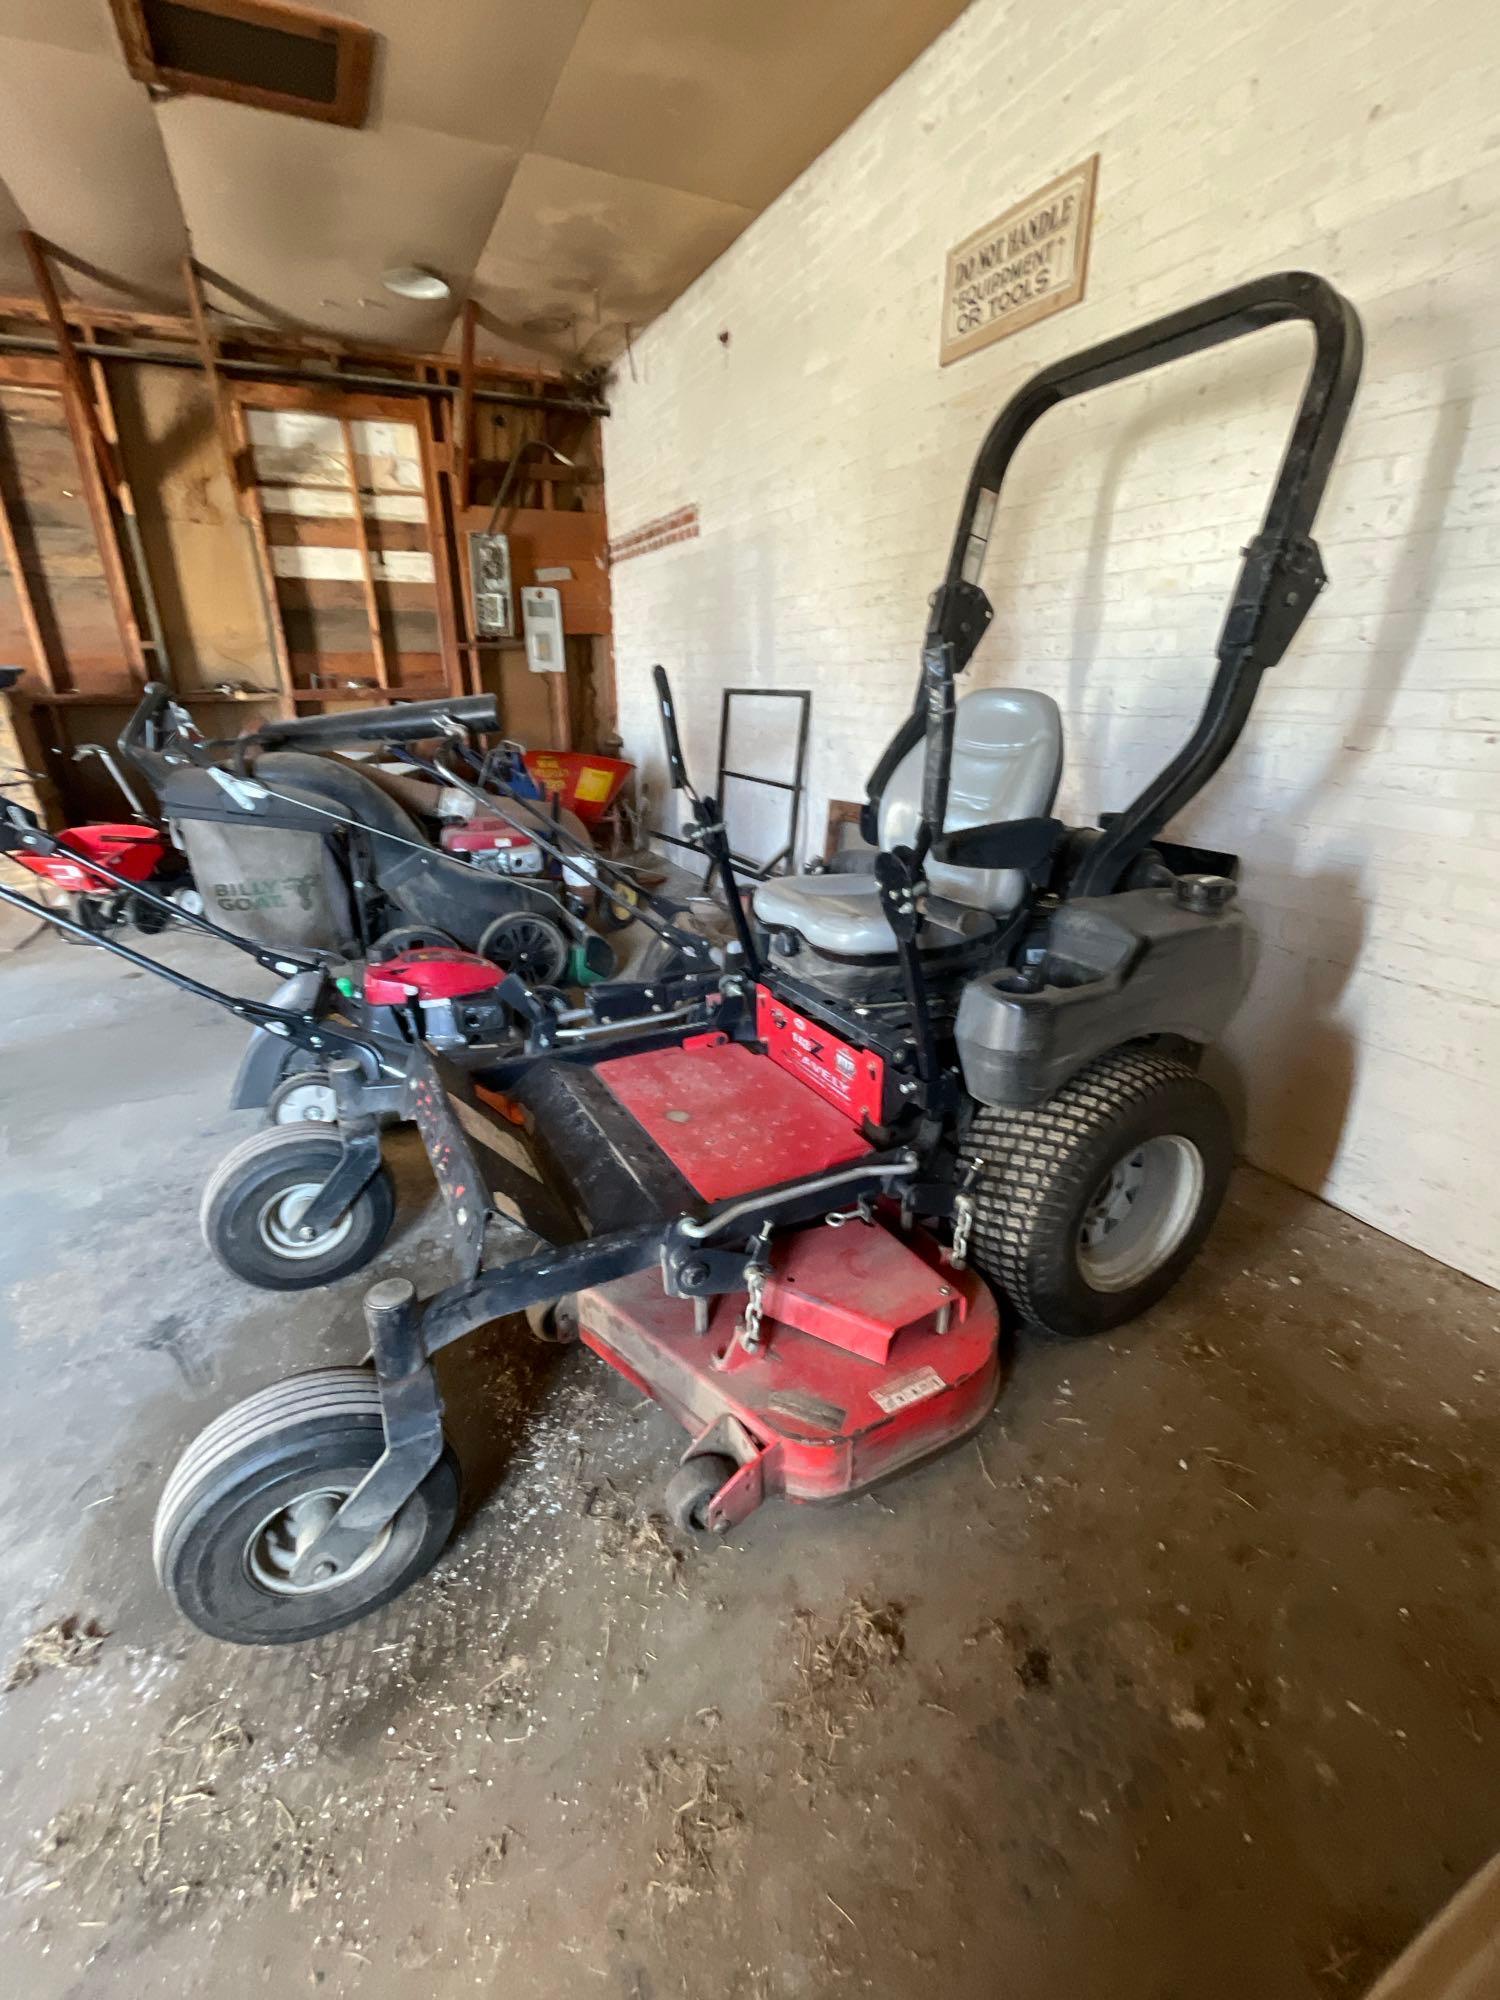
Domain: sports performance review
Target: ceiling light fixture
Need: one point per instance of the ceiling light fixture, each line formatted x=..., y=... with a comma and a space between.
x=415, y=281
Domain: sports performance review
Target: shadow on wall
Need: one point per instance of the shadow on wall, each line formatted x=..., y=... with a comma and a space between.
x=1301, y=1056
x=1304, y=1056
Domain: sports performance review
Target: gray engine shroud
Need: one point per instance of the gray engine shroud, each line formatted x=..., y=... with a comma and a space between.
x=1117, y=969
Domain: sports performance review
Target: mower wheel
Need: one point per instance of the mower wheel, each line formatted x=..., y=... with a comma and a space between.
x=1089, y=1208
x=528, y=944
x=410, y=937
x=692, y=1486
x=254, y=1199
x=615, y=910
x=261, y=1481
x=303, y=1098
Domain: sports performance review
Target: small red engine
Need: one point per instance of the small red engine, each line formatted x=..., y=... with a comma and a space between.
x=130, y=850
x=436, y=980
x=494, y=844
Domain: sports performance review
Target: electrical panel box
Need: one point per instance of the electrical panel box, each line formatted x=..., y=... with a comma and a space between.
x=541, y=612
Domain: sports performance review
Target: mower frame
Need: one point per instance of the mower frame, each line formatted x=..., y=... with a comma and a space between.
x=718, y=1248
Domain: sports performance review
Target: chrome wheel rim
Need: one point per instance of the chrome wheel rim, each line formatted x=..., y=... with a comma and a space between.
x=1139, y=1213
x=307, y=1104
x=274, y=1549
x=279, y=1219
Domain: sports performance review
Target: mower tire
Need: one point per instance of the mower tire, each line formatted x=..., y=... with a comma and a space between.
x=303, y=1097
x=691, y=1488
x=259, y=1483
x=410, y=937
x=1088, y=1208
x=528, y=944
x=254, y=1198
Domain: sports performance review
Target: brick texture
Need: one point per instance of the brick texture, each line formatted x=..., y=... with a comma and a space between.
x=827, y=453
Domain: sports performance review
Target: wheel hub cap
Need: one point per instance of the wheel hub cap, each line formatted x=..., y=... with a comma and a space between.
x=281, y=1218
x=274, y=1550
x=1140, y=1212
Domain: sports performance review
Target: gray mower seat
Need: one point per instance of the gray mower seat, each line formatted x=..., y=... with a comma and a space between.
x=1007, y=759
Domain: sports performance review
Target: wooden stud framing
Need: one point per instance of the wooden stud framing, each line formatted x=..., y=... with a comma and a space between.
x=208, y=351
x=73, y=377
x=255, y=515
x=463, y=414
x=442, y=536
x=41, y=658
x=366, y=566
x=98, y=462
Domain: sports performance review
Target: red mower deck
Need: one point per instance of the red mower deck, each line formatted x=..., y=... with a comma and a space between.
x=805, y=1414
x=872, y=1354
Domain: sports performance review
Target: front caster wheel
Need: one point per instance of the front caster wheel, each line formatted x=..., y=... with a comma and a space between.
x=691, y=1488
x=306, y=1097
x=253, y=1205
x=1089, y=1208
x=254, y=1488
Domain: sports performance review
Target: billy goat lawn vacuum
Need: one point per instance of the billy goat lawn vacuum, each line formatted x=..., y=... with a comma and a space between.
x=978, y=1061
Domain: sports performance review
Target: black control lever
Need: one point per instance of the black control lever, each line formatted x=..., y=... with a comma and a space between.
x=1028, y=844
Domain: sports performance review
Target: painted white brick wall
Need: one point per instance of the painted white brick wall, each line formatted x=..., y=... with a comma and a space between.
x=827, y=453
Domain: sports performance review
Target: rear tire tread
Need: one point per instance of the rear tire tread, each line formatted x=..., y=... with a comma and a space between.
x=1029, y=1177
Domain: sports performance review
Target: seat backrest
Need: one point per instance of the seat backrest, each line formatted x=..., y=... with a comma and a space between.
x=1007, y=760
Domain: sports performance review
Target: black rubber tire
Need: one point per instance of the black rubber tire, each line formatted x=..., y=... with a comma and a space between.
x=545, y=958
x=612, y=913
x=1040, y=1169
x=692, y=1486
x=243, y=1188
x=309, y=1433
x=147, y=919
x=410, y=937
x=295, y=1080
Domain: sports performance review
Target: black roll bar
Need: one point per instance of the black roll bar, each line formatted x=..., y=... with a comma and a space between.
x=1282, y=571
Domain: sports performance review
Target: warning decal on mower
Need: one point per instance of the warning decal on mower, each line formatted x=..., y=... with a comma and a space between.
x=853, y=1079
x=908, y=1389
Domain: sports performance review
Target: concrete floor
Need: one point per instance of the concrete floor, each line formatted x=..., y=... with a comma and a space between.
x=1185, y=1682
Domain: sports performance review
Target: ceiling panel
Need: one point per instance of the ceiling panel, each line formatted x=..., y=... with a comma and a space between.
x=479, y=69
x=15, y=273
x=84, y=25
x=575, y=248
x=587, y=159
x=304, y=217
x=82, y=157
x=724, y=100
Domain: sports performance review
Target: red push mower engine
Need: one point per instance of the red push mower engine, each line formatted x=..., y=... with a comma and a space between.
x=132, y=853
x=494, y=845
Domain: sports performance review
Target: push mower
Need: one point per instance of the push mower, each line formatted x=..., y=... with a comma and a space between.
x=979, y=1062
x=303, y=1204
x=137, y=852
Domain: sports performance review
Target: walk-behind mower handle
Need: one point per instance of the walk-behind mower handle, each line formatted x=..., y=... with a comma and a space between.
x=132, y=738
x=403, y=722
x=676, y=768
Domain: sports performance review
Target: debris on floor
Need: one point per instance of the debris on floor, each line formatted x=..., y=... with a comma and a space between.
x=837, y=1666
x=633, y=1538
x=702, y=1824
x=71, y=1642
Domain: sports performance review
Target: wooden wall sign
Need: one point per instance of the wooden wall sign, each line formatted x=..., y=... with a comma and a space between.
x=1031, y=262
